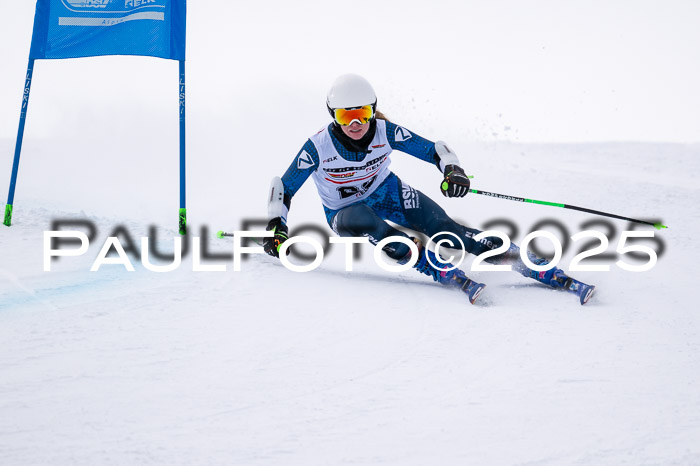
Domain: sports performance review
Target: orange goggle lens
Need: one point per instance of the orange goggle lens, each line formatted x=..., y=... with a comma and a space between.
x=345, y=117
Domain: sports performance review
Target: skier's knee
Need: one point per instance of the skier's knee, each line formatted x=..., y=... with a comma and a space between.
x=397, y=250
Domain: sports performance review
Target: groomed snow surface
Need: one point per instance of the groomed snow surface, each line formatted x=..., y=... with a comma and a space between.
x=271, y=367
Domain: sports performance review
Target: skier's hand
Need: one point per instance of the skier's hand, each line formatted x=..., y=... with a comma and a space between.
x=272, y=244
x=456, y=183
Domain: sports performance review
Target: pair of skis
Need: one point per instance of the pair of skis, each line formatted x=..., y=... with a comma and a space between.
x=474, y=289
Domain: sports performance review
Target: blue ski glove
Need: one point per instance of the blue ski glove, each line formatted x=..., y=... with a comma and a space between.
x=456, y=183
x=272, y=244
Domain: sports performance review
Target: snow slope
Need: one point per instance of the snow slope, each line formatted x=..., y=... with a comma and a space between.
x=266, y=366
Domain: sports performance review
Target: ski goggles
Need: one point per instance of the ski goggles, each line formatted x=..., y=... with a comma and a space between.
x=346, y=116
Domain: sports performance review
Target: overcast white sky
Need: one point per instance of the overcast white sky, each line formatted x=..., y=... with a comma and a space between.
x=535, y=71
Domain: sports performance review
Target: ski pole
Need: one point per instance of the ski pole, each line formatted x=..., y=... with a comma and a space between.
x=658, y=226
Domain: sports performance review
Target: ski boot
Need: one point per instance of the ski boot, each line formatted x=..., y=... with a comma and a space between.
x=467, y=285
x=557, y=278
x=453, y=278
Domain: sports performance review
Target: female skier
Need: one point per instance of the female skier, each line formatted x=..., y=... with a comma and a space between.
x=349, y=162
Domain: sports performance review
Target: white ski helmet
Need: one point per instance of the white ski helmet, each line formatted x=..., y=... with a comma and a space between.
x=350, y=91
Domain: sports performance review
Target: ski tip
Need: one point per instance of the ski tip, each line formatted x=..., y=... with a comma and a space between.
x=220, y=234
x=586, y=295
x=659, y=226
